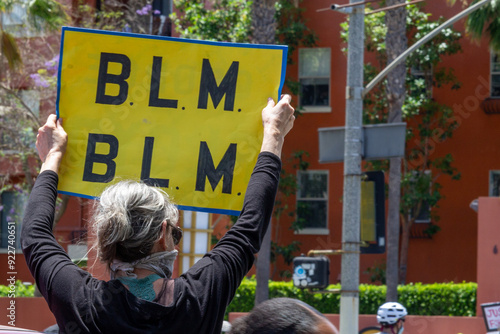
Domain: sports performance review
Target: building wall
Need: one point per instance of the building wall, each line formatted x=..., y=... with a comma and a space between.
x=451, y=254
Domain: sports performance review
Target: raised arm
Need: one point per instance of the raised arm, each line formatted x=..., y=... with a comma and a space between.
x=43, y=254
x=244, y=239
x=51, y=143
x=277, y=120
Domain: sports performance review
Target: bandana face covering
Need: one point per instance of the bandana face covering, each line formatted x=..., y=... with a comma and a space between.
x=161, y=263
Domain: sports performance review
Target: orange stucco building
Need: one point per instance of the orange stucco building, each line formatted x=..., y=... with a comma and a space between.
x=451, y=254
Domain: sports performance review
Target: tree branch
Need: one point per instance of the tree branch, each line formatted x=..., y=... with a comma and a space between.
x=26, y=107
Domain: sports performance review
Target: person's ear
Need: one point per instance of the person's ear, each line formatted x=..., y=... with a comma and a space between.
x=163, y=236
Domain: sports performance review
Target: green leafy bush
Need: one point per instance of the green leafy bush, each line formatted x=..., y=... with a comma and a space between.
x=452, y=299
x=19, y=290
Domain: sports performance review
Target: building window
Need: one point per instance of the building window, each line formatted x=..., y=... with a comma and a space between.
x=314, y=78
x=494, y=189
x=424, y=212
x=495, y=75
x=422, y=81
x=196, y=240
x=12, y=211
x=312, y=202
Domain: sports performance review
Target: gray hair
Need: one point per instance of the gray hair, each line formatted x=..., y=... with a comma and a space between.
x=128, y=220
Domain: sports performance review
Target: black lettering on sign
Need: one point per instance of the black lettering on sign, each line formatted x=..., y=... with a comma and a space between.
x=107, y=78
x=107, y=159
x=208, y=85
x=154, y=100
x=206, y=169
x=146, y=165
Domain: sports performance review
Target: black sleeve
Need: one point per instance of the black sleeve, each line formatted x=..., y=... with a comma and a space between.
x=244, y=239
x=42, y=252
x=59, y=280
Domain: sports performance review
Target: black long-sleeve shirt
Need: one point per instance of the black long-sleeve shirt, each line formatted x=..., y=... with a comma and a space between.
x=83, y=304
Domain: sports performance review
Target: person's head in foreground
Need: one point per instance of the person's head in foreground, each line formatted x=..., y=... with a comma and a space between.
x=391, y=317
x=283, y=316
x=135, y=225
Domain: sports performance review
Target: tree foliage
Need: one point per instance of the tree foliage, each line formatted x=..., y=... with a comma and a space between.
x=225, y=20
x=485, y=19
x=230, y=21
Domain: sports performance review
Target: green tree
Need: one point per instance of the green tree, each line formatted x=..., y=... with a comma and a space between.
x=224, y=20
x=428, y=121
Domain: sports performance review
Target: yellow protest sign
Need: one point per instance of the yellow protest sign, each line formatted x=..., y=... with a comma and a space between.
x=182, y=114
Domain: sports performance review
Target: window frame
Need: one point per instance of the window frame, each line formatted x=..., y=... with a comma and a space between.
x=425, y=205
x=494, y=174
x=314, y=230
x=316, y=109
x=19, y=200
x=493, y=73
x=416, y=72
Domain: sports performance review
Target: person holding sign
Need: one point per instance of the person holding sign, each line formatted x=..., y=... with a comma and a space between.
x=136, y=237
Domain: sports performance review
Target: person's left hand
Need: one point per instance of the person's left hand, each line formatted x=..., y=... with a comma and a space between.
x=51, y=142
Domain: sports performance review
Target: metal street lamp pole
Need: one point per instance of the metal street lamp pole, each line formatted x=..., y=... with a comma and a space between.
x=349, y=296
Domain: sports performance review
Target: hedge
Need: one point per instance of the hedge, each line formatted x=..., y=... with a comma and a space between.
x=452, y=299
x=19, y=289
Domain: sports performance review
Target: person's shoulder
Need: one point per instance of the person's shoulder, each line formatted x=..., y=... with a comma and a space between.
x=203, y=267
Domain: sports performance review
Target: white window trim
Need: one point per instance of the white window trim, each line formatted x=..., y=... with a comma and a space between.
x=313, y=231
x=6, y=251
x=317, y=230
x=318, y=109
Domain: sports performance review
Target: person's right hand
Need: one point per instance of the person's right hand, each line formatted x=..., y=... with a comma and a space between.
x=277, y=120
x=51, y=143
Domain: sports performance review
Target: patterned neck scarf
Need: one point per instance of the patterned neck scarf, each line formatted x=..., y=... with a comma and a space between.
x=161, y=263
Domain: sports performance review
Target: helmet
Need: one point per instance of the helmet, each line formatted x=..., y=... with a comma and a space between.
x=390, y=313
